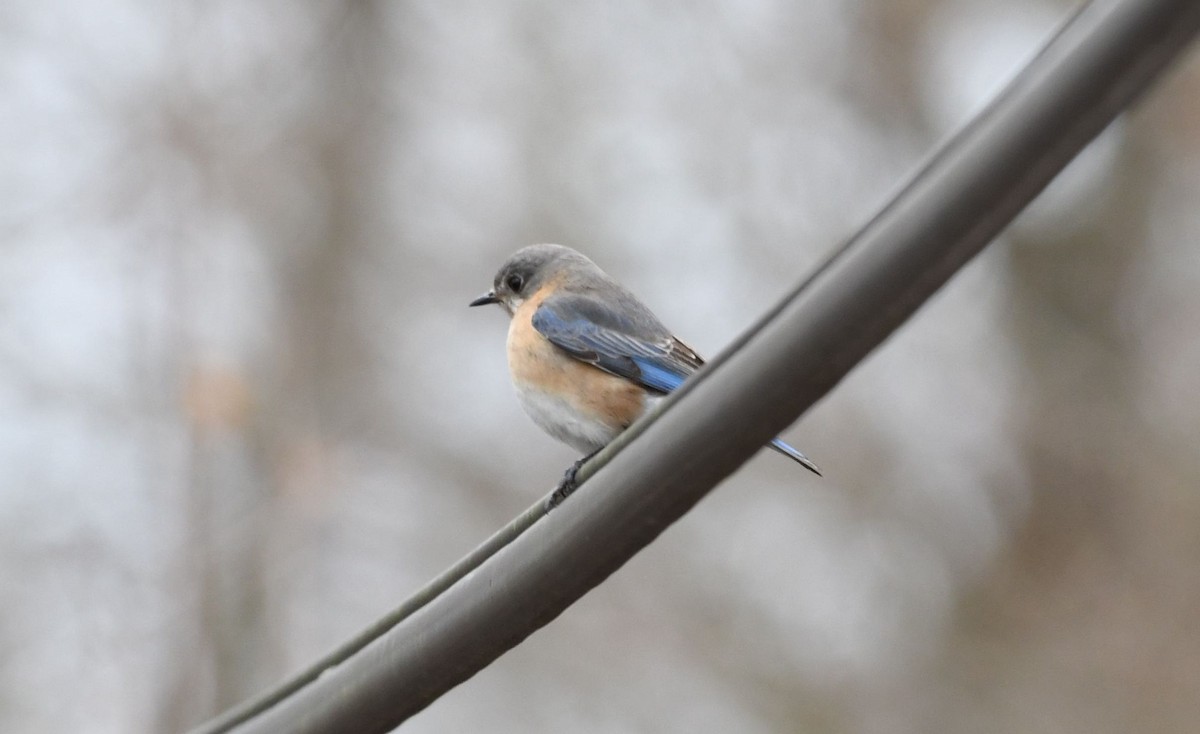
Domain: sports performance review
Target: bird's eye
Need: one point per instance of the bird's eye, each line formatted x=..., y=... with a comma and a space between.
x=514, y=282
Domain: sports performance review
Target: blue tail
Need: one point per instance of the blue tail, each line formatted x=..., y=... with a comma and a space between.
x=795, y=455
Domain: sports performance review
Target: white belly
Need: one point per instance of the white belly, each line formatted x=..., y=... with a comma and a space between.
x=559, y=419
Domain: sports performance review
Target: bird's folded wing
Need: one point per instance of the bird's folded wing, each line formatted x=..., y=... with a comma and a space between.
x=589, y=332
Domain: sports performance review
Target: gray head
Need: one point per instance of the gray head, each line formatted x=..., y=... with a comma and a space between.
x=529, y=268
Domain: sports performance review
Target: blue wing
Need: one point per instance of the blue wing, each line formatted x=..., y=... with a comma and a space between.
x=592, y=333
x=644, y=353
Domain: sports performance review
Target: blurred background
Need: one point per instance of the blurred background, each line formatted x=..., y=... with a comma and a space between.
x=244, y=409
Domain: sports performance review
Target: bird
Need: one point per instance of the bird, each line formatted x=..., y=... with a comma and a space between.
x=586, y=357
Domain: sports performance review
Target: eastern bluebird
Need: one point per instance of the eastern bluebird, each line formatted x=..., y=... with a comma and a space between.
x=587, y=358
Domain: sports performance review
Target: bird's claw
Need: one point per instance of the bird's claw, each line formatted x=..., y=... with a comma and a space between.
x=568, y=484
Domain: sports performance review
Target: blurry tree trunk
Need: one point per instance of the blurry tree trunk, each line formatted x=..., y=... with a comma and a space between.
x=241, y=515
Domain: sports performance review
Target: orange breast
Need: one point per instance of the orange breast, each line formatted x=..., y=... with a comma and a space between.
x=537, y=364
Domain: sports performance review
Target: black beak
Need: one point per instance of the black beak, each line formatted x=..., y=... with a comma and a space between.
x=485, y=299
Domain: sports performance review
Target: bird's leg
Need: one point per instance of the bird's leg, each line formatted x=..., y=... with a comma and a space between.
x=569, y=482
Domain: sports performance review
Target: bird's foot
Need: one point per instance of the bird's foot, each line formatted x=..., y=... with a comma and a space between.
x=568, y=484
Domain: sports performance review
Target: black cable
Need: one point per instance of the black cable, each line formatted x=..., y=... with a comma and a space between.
x=1107, y=54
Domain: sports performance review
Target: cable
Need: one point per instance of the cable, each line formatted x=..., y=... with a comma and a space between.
x=530, y=572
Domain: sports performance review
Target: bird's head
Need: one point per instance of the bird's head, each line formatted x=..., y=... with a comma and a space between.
x=528, y=270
